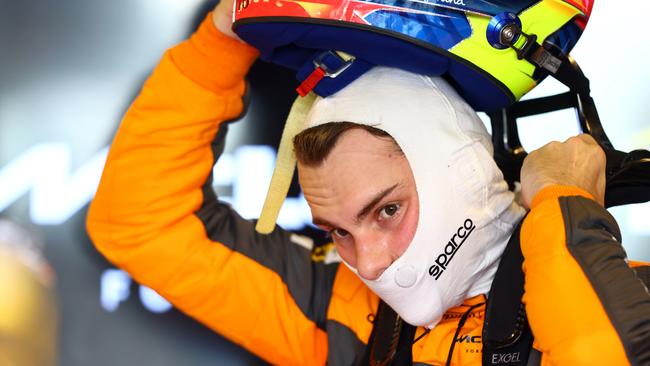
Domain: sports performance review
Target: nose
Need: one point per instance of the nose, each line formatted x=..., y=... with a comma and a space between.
x=373, y=255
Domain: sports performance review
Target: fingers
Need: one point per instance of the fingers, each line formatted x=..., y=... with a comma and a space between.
x=222, y=18
x=579, y=161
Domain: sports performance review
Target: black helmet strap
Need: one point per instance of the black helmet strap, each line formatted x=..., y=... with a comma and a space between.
x=628, y=174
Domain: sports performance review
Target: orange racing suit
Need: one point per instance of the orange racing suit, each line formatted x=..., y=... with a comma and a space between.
x=156, y=216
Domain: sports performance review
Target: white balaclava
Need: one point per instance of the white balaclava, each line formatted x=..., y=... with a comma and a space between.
x=467, y=213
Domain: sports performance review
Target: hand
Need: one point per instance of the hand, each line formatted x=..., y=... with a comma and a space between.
x=222, y=18
x=578, y=162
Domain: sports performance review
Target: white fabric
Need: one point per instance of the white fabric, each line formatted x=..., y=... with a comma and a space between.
x=460, y=189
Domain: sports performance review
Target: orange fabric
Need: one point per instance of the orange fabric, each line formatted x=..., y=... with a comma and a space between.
x=354, y=305
x=634, y=264
x=142, y=218
x=434, y=347
x=553, y=192
x=212, y=59
x=568, y=321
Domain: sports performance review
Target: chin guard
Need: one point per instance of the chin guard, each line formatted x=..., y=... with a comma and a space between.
x=627, y=174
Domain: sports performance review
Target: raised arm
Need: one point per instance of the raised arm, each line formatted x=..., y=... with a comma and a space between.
x=585, y=304
x=156, y=216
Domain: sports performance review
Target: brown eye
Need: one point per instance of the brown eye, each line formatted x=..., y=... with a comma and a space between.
x=339, y=233
x=389, y=211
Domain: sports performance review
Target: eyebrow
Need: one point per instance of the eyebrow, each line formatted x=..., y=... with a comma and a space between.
x=364, y=211
x=374, y=201
x=320, y=222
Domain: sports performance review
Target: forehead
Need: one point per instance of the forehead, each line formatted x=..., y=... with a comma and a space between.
x=359, y=150
x=359, y=165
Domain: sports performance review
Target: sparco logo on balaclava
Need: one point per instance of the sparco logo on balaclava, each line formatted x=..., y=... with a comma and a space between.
x=443, y=259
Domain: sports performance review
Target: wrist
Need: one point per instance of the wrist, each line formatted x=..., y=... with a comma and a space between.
x=212, y=59
x=554, y=191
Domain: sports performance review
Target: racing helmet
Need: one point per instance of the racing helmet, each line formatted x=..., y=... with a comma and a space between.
x=487, y=49
x=491, y=51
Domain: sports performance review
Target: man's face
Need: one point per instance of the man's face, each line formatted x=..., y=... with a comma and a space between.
x=364, y=195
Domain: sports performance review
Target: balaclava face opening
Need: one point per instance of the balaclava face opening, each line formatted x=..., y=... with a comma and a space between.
x=466, y=214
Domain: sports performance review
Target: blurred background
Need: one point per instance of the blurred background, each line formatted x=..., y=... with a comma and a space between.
x=68, y=71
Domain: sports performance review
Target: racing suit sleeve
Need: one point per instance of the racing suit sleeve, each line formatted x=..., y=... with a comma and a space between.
x=584, y=303
x=156, y=216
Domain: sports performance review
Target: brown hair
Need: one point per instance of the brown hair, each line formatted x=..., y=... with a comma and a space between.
x=314, y=144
